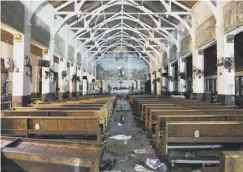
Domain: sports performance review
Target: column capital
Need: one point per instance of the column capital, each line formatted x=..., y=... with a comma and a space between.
x=18, y=37
x=44, y=52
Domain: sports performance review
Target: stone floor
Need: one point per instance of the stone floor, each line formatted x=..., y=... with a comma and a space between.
x=124, y=153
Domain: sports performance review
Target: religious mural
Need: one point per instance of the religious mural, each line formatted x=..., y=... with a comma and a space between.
x=173, y=54
x=121, y=66
x=59, y=45
x=40, y=31
x=186, y=45
x=206, y=32
x=71, y=52
x=233, y=16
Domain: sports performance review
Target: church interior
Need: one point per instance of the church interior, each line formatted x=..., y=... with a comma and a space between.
x=121, y=85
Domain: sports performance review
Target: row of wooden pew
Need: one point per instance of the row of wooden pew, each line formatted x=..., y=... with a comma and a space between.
x=177, y=123
x=76, y=125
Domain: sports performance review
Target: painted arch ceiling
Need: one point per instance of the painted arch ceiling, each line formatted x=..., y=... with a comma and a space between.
x=144, y=26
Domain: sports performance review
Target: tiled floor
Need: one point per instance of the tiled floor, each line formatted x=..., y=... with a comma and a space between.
x=124, y=153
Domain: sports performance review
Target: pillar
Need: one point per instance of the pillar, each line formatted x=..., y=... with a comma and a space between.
x=164, y=81
x=62, y=81
x=182, y=80
x=48, y=87
x=158, y=82
x=21, y=75
x=198, y=75
x=171, y=78
x=72, y=80
x=225, y=72
x=79, y=74
x=152, y=83
x=85, y=83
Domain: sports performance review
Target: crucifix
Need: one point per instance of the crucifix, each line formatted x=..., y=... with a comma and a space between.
x=120, y=84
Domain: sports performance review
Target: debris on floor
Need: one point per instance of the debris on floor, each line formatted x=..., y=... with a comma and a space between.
x=140, y=168
x=119, y=124
x=108, y=164
x=120, y=137
x=153, y=163
x=142, y=151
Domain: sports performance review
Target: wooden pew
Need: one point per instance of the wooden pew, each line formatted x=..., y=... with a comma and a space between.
x=231, y=161
x=22, y=154
x=29, y=126
x=146, y=107
x=75, y=113
x=154, y=113
x=210, y=132
x=169, y=101
x=162, y=119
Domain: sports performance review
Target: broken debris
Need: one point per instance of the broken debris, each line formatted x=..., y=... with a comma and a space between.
x=153, y=163
x=141, y=168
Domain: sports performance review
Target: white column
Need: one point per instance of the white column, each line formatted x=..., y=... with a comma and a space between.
x=158, y=76
x=48, y=90
x=62, y=74
x=78, y=82
x=21, y=79
x=182, y=70
x=171, y=83
x=226, y=76
x=198, y=75
x=164, y=82
x=72, y=82
x=85, y=83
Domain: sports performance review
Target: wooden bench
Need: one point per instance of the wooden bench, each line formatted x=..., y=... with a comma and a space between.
x=103, y=121
x=231, y=161
x=169, y=101
x=147, y=106
x=154, y=113
x=22, y=154
x=210, y=132
x=162, y=119
x=51, y=126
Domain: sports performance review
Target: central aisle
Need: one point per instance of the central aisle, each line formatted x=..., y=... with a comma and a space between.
x=117, y=149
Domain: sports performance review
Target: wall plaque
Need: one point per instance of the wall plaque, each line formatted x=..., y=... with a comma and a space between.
x=59, y=45
x=206, y=32
x=186, y=45
x=70, y=52
x=12, y=13
x=164, y=59
x=40, y=32
x=233, y=15
x=79, y=59
x=173, y=54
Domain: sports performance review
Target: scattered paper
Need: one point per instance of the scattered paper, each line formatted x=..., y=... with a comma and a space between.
x=196, y=134
x=141, y=168
x=153, y=163
x=120, y=137
x=119, y=124
x=141, y=151
x=37, y=126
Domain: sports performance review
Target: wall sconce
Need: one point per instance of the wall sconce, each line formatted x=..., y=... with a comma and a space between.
x=48, y=74
x=164, y=74
x=64, y=74
x=197, y=72
x=182, y=75
x=27, y=61
x=229, y=63
x=74, y=78
x=170, y=78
